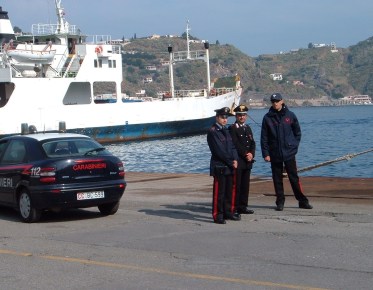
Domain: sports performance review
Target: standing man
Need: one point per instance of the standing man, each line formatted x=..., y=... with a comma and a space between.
x=222, y=165
x=243, y=140
x=280, y=138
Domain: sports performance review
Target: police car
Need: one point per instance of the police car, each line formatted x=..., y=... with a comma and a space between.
x=55, y=171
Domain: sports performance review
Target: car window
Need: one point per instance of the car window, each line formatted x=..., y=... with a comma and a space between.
x=2, y=147
x=14, y=153
x=72, y=147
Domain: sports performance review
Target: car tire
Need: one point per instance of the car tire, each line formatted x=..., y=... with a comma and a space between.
x=109, y=208
x=28, y=213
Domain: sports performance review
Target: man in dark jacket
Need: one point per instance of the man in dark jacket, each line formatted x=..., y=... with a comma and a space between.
x=243, y=140
x=222, y=165
x=280, y=138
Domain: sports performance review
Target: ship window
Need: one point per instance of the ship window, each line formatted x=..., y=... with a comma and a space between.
x=112, y=63
x=78, y=93
x=104, y=92
x=6, y=90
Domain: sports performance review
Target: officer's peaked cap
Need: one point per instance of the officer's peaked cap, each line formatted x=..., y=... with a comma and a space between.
x=223, y=111
x=241, y=109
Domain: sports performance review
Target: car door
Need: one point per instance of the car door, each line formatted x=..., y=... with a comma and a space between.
x=12, y=158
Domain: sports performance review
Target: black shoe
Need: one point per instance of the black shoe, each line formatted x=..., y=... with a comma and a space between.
x=220, y=221
x=305, y=205
x=279, y=207
x=233, y=217
x=246, y=210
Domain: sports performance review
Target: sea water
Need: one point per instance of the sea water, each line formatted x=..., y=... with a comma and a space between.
x=328, y=133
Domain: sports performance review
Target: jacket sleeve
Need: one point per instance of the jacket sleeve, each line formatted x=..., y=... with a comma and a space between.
x=219, y=151
x=264, y=139
x=296, y=128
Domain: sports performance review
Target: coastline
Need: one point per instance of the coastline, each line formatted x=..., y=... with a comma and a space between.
x=256, y=102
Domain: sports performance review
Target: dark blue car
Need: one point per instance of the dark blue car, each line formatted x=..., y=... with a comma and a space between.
x=55, y=171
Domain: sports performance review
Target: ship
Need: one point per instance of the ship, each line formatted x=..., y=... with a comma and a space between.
x=56, y=78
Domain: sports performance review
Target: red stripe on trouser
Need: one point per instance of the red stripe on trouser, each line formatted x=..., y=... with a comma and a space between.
x=234, y=191
x=215, y=198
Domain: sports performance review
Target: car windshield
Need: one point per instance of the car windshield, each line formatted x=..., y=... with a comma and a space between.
x=73, y=147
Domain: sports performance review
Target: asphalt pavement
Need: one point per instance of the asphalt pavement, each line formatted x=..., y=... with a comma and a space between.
x=163, y=237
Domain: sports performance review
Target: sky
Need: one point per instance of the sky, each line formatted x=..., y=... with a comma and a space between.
x=253, y=26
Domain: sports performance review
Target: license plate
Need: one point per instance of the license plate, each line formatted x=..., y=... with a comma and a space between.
x=90, y=195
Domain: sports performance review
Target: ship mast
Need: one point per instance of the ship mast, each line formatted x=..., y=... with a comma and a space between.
x=188, y=55
x=187, y=35
x=63, y=25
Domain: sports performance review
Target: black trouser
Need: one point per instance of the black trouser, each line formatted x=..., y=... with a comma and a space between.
x=242, y=188
x=277, y=176
x=222, y=196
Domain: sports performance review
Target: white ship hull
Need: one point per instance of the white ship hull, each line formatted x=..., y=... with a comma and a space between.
x=61, y=95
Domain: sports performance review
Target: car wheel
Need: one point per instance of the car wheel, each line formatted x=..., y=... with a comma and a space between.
x=28, y=213
x=109, y=208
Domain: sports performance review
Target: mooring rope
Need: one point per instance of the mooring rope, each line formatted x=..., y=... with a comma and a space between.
x=345, y=157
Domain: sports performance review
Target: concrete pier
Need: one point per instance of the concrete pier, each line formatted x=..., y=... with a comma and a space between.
x=163, y=237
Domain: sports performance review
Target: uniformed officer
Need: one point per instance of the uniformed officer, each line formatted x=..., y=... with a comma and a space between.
x=243, y=140
x=222, y=165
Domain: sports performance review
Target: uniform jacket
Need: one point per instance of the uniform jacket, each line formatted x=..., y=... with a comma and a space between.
x=280, y=135
x=243, y=140
x=223, y=152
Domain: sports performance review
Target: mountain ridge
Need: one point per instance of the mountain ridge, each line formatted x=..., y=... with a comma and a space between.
x=306, y=73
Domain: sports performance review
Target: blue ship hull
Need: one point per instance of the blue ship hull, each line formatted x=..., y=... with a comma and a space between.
x=146, y=131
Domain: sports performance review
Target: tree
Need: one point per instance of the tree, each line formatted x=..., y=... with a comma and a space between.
x=17, y=29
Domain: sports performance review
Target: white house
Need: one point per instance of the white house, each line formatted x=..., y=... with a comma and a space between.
x=276, y=76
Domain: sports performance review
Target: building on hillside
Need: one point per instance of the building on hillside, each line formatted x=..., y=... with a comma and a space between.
x=147, y=80
x=151, y=67
x=298, y=83
x=141, y=93
x=165, y=62
x=333, y=47
x=276, y=76
x=154, y=36
x=356, y=100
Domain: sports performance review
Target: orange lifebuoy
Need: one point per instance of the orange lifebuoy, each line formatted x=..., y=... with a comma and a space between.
x=213, y=92
x=98, y=49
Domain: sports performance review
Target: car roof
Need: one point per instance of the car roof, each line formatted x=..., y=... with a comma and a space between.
x=46, y=136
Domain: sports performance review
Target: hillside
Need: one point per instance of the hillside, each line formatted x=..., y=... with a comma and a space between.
x=306, y=73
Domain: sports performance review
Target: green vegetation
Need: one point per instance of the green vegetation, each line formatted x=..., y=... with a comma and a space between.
x=307, y=73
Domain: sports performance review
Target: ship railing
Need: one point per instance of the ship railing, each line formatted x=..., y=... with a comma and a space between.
x=189, y=93
x=102, y=40
x=220, y=91
x=98, y=39
x=46, y=29
x=189, y=55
